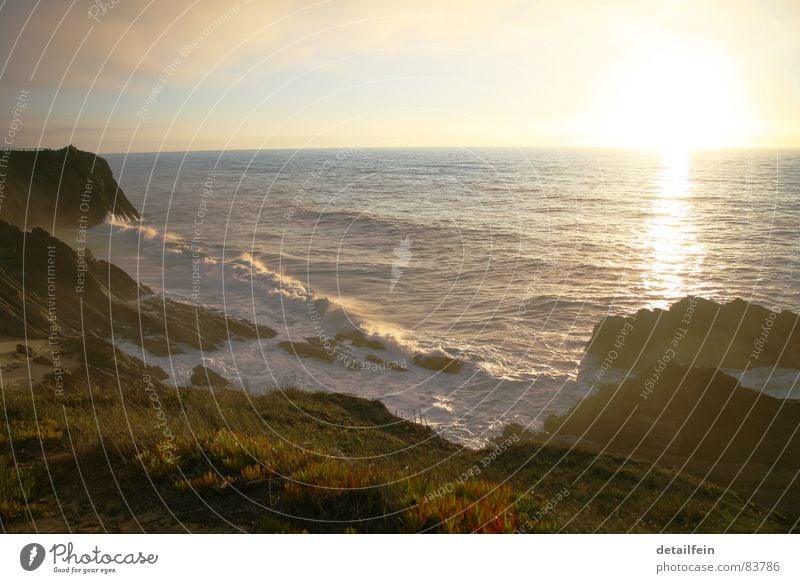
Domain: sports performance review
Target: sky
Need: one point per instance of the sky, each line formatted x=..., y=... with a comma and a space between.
x=129, y=75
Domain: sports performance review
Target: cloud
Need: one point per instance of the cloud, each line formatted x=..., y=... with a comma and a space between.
x=516, y=68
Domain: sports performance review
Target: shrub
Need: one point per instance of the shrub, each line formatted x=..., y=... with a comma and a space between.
x=17, y=488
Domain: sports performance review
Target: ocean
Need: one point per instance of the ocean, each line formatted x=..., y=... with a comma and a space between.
x=504, y=258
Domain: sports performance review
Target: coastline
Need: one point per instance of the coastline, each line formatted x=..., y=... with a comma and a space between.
x=329, y=462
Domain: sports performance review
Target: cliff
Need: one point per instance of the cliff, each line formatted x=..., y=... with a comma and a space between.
x=49, y=289
x=65, y=188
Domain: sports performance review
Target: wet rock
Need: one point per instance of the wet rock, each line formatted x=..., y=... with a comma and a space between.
x=308, y=350
x=359, y=339
x=438, y=363
x=86, y=295
x=381, y=364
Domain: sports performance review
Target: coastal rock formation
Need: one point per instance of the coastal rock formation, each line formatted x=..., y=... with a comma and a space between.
x=359, y=339
x=48, y=289
x=65, y=188
x=676, y=408
x=699, y=332
x=313, y=348
x=439, y=363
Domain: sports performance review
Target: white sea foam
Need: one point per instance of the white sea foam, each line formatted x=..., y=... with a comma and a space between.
x=511, y=280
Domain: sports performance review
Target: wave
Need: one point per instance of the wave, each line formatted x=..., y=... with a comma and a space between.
x=247, y=286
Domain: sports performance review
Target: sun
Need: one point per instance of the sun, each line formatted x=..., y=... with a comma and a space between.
x=677, y=97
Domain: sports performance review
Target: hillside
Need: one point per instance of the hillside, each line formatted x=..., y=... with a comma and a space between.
x=118, y=451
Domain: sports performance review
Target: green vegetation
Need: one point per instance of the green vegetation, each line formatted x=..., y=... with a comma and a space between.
x=134, y=456
x=17, y=488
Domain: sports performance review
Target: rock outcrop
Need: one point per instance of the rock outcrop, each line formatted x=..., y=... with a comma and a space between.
x=699, y=332
x=676, y=408
x=49, y=289
x=65, y=188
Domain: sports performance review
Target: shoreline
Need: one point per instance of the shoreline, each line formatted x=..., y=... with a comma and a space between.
x=693, y=452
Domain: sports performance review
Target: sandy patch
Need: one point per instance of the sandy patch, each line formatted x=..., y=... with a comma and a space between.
x=18, y=371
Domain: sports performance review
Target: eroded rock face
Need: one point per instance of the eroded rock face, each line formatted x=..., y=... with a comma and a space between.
x=47, y=288
x=699, y=332
x=65, y=188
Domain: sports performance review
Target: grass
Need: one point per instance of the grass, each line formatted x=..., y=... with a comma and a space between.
x=293, y=461
x=18, y=485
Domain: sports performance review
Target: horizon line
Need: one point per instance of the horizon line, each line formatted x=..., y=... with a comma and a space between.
x=423, y=147
x=460, y=147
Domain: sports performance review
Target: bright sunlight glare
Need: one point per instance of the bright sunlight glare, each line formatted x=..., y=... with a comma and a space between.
x=676, y=98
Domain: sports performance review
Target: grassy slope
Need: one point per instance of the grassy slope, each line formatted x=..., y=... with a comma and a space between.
x=294, y=461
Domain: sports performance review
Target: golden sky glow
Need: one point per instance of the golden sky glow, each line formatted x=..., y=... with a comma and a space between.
x=146, y=76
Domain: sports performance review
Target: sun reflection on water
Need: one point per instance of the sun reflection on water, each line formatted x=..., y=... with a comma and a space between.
x=671, y=251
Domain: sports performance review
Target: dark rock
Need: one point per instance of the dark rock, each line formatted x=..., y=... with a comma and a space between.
x=156, y=372
x=382, y=364
x=308, y=350
x=42, y=360
x=62, y=186
x=700, y=421
x=25, y=350
x=699, y=332
x=195, y=326
x=74, y=295
x=202, y=376
x=358, y=338
x=438, y=363
x=159, y=346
